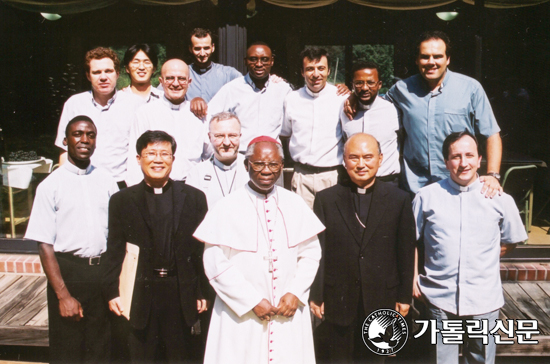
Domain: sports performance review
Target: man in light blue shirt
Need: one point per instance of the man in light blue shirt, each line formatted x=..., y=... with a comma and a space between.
x=435, y=103
x=464, y=235
x=208, y=77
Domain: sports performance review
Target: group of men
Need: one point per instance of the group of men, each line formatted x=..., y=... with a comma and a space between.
x=347, y=234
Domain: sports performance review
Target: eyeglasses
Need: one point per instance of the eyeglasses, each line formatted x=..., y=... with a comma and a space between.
x=260, y=166
x=264, y=60
x=370, y=84
x=220, y=137
x=171, y=79
x=136, y=63
x=153, y=155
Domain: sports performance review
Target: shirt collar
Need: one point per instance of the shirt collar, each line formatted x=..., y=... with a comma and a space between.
x=109, y=102
x=154, y=94
x=202, y=71
x=222, y=166
x=273, y=193
x=170, y=105
x=74, y=169
x=363, y=191
x=315, y=94
x=362, y=106
x=253, y=85
x=158, y=191
x=439, y=90
x=476, y=185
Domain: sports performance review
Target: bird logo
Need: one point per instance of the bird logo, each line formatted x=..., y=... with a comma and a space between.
x=385, y=332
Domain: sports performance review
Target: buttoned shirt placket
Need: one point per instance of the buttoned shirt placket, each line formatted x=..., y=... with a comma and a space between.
x=258, y=94
x=314, y=96
x=433, y=148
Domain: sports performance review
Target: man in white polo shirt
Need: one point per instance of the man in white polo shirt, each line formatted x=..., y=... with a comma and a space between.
x=374, y=116
x=312, y=123
x=254, y=98
x=69, y=223
x=111, y=111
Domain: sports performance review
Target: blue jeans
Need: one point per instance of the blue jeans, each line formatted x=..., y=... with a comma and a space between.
x=473, y=350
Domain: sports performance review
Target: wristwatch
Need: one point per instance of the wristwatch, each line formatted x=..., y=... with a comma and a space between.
x=494, y=174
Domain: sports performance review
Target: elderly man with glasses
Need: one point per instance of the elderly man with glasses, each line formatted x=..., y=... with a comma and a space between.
x=172, y=115
x=225, y=171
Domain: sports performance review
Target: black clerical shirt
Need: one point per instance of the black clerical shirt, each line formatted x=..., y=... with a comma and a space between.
x=160, y=205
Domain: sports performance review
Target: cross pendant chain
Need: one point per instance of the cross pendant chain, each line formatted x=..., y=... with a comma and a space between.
x=271, y=259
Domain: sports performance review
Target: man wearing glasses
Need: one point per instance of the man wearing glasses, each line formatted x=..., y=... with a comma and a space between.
x=158, y=215
x=172, y=115
x=261, y=256
x=375, y=116
x=140, y=61
x=225, y=171
x=254, y=98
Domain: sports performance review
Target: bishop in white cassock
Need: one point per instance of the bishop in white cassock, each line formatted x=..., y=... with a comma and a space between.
x=261, y=256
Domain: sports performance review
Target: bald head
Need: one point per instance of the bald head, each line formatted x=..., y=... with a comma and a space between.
x=174, y=77
x=362, y=158
x=360, y=138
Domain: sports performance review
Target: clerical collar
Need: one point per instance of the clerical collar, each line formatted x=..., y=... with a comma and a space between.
x=225, y=167
x=158, y=191
x=362, y=106
x=315, y=94
x=109, y=102
x=74, y=169
x=249, y=80
x=202, y=71
x=262, y=195
x=476, y=185
x=170, y=104
x=363, y=191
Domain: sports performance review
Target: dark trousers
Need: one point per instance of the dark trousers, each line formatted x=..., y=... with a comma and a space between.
x=166, y=337
x=85, y=341
x=343, y=344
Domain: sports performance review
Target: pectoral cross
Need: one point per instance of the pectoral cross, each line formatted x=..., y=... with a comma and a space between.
x=271, y=259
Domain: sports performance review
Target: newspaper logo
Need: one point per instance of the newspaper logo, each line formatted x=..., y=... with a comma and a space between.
x=385, y=332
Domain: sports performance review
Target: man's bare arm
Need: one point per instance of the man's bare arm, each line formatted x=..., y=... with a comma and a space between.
x=506, y=248
x=491, y=186
x=69, y=307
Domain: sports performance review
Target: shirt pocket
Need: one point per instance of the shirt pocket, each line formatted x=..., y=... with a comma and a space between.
x=456, y=120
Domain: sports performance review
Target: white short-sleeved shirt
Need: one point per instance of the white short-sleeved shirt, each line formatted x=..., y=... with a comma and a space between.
x=216, y=179
x=260, y=111
x=113, y=124
x=382, y=122
x=70, y=210
x=190, y=133
x=312, y=121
